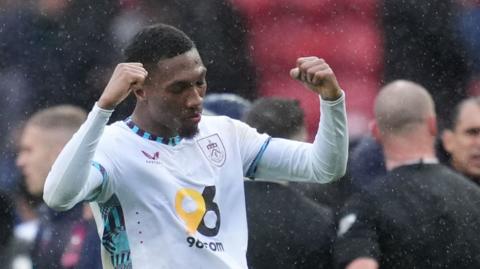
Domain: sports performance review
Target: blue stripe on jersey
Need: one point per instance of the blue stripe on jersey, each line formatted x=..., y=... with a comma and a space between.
x=104, y=174
x=101, y=169
x=114, y=238
x=135, y=129
x=172, y=141
x=253, y=167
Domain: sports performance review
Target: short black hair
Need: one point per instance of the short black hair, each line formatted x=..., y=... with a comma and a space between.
x=157, y=42
x=276, y=117
x=451, y=123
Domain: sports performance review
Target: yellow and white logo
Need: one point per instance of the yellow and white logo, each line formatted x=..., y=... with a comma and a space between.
x=198, y=210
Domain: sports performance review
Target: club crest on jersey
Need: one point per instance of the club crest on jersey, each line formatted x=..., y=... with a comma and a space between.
x=213, y=149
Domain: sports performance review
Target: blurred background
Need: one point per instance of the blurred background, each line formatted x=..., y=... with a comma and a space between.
x=63, y=51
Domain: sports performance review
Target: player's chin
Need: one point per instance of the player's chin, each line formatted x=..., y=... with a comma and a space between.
x=188, y=131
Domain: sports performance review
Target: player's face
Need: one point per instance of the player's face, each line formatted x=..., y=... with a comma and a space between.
x=175, y=94
x=464, y=142
x=35, y=157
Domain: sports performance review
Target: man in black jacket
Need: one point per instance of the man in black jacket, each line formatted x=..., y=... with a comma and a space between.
x=420, y=214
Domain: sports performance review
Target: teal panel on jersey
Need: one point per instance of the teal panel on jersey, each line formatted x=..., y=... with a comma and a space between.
x=115, y=238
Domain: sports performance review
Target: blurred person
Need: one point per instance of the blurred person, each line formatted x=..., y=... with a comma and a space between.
x=422, y=45
x=285, y=118
x=226, y=104
x=168, y=176
x=461, y=139
x=278, y=117
x=421, y=214
x=26, y=227
x=285, y=229
x=61, y=238
x=45, y=43
x=366, y=162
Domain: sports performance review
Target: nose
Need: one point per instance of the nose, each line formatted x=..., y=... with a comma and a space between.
x=20, y=161
x=195, y=98
x=476, y=139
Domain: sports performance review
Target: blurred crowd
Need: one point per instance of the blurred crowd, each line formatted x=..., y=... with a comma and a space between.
x=57, y=55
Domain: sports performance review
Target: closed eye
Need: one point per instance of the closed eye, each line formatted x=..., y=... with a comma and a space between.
x=179, y=86
x=473, y=131
x=200, y=83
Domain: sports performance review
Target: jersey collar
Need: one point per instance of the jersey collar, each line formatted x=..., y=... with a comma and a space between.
x=171, y=141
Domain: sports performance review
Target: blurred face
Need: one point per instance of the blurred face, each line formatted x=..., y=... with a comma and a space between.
x=463, y=143
x=36, y=155
x=175, y=95
x=301, y=135
x=52, y=7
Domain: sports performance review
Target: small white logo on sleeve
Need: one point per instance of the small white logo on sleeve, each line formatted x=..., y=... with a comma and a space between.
x=346, y=223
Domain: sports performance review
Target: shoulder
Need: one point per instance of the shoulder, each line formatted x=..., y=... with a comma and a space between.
x=222, y=124
x=218, y=120
x=116, y=137
x=114, y=132
x=456, y=180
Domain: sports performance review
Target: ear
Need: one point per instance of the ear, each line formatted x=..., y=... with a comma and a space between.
x=448, y=140
x=140, y=94
x=432, y=125
x=373, y=126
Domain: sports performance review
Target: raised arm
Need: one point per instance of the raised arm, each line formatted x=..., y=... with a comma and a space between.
x=72, y=178
x=325, y=159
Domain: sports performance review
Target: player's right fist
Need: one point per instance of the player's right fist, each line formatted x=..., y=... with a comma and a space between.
x=126, y=77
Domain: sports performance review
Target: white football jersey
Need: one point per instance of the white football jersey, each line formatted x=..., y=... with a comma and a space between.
x=175, y=206
x=171, y=203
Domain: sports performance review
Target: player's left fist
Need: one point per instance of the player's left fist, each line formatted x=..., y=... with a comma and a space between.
x=317, y=75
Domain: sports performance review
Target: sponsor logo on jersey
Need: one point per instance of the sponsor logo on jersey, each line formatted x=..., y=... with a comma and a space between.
x=200, y=214
x=213, y=149
x=198, y=211
x=153, y=156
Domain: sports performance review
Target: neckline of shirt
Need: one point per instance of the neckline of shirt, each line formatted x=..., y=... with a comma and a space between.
x=170, y=141
x=421, y=161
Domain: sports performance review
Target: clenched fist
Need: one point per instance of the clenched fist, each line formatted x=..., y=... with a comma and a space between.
x=126, y=77
x=317, y=75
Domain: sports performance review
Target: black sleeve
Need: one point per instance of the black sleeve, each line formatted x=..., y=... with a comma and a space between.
x=6, y=219
x=356, y=232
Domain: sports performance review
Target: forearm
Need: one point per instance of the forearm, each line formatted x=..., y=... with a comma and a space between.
x=329, y=153
x=67, y=183
x=322, y=161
